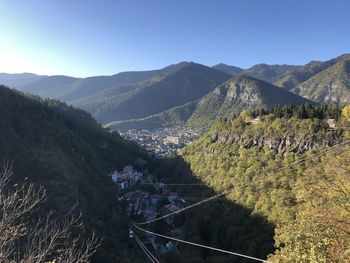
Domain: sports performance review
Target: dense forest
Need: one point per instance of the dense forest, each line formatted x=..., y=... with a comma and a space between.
x=288, y=206
x=70, y=155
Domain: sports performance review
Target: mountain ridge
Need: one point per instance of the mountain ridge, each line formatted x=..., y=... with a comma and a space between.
x=241, y=93
x=329, y=85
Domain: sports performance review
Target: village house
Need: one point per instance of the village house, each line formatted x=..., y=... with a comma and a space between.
x=154, y=198
x=127, y=178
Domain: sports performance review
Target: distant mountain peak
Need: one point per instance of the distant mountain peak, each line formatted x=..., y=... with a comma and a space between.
x=238, y=93
x=329, y=85
x=232, y=70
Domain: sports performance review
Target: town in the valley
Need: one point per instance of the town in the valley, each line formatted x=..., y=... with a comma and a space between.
x=143, y=198
x=164, y=142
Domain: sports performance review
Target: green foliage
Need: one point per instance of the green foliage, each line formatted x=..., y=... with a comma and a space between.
x=219, y=223
x=320, y=230
x=285, y=197
x=68, y=153
x=304, y=111
x=346, y=112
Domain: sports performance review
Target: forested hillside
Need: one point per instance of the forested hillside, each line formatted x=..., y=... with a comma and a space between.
x=294, y=178
x=233, y=96
x=69, y=154
x=190, y=82
x=177, y=116
x=238, y=94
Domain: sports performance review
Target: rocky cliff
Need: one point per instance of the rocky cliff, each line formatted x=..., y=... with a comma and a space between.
x=284, y=137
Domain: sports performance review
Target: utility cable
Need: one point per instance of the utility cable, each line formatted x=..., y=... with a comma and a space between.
x=276, y=170
x=200, y=245
x=151, y=257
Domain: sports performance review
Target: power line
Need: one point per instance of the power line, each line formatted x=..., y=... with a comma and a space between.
x=176, y=184
x=187, y=207
x=200, y=245
x=148, y=253
x=276, y=170
x=333, y=148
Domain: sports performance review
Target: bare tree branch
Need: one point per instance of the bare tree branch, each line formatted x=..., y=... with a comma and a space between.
x=26, y=240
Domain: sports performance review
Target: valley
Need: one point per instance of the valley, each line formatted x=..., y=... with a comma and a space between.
x=232, y=164
x=175, y=131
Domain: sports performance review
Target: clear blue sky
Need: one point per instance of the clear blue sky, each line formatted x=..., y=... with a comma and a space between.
x=83, y=38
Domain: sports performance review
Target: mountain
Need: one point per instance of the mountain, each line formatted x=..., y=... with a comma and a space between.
x=266, y=72
x=130, y=95
x=232, y=70
x=189, y=82
x=303, y=73
x=165, y=97
x=177, y=116
x=285, y=76
x=68, y=88
x=238, y=94
x=70, y=155
x=269, y=73
x=50, y=87
x=233, y=96
x=15, y=80
x=329, y=85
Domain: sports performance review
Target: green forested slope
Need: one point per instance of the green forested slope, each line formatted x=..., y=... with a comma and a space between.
x=307, y=204
x=68, y=153
x=177, y=116
x=191, y=82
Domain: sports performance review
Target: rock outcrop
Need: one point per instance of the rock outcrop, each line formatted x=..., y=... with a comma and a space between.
x=287, y=142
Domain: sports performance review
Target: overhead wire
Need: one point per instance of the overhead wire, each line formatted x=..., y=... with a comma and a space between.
x=302, y=160
x=148, y=253
x=191, y=184
x=202, y=246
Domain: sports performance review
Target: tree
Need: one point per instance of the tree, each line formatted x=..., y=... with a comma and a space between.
x=346, y=112
x=321, y=229
x=27, y=238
